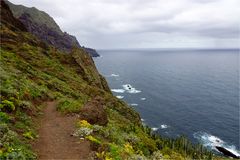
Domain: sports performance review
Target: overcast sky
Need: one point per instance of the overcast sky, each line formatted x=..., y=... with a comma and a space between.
x=146, y=23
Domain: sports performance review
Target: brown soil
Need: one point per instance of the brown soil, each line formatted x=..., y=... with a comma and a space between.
x=55, y=140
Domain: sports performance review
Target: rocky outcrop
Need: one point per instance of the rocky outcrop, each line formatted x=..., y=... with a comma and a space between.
x=46, y=29
x=9, y=20
x=94, y=112
x=38, y=16
x=10, y=26
x=227, y=152
x=88, y=70
x=62, y=41
x=91, y=51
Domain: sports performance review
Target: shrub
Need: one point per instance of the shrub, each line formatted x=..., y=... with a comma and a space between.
x=68, y=105
x=4, y=117
x=114, y=151
x=82, y=132
x=7, y=105
x=11, y=146
x=128, y=148
x=93, y=140
x=29, y=135
x=25, y=104
x=101, y=155
x=97, y=128
x=23, y=117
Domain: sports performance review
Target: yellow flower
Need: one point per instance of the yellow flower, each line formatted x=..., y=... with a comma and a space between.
x=84, y=123
x=128, y=148
x=100, y=155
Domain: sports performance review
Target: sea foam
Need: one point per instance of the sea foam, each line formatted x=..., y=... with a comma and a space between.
x=118, y=90
x=134, y=104
x=130, y=89
x=114, y=75
x=212, y=141
x=154, y=129
x=120, y=97
x=164, y=126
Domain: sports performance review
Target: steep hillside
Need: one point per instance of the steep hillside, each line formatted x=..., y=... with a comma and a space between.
x=39, y=17
x=33, y=73
x=45, y=28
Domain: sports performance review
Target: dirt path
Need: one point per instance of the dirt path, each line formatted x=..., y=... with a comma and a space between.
x=55, y=140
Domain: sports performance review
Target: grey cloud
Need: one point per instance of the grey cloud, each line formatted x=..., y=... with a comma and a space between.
x=153, y=23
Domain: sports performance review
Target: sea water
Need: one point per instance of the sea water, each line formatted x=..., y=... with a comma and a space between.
x=180, y=91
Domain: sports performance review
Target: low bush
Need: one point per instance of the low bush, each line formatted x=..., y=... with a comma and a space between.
x=68, y=105
x=7, y=105
x=4, y=117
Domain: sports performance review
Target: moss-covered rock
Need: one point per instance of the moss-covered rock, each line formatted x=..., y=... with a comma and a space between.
x=94, y=112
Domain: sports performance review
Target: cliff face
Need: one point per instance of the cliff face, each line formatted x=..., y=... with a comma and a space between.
x=62, y=41
x=88, y=69
x=45, y=28
x=9, y=20
x=39, y=17
x=91, y=51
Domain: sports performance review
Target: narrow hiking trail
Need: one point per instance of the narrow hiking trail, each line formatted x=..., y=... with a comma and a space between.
x=55, y=140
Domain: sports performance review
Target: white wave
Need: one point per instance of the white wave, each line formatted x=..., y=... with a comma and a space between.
x=118, y=90
x=164, y=126
x=208, y=140
x=130, y=89
x=212, y=141
x=134, y=104
x=143, y=99
x=134, y=91
x=142, y=119
x=154, y=129
x=114, y=75
x=120, y=97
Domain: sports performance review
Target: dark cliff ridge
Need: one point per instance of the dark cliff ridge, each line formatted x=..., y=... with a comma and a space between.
x=45, y=28
x=9, y=20
x=91, y=51
x=61, y=41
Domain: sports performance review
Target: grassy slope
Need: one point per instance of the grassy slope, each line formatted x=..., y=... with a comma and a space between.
x=32, y=72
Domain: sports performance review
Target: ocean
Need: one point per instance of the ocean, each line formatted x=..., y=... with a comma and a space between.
x=179, y=91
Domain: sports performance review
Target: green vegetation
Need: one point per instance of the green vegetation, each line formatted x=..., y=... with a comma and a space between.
x=68, y=105
x=122, y=140
x=7, y=105
x=15, y=131
x=32, y=73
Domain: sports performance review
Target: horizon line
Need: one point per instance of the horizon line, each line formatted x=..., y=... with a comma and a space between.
x=181, y=48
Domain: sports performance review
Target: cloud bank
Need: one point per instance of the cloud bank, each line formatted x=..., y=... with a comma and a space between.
x=146, y=23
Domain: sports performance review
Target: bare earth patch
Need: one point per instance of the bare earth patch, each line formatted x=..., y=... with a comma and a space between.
x=55, y=140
